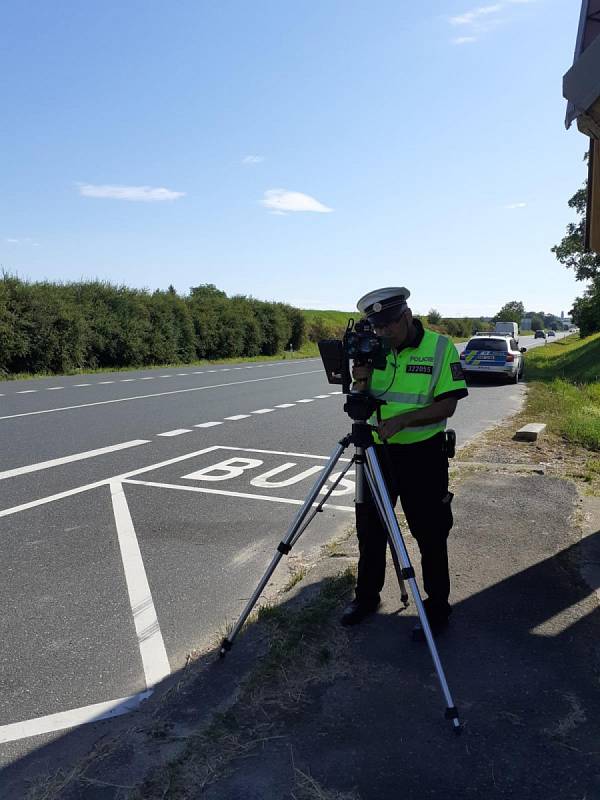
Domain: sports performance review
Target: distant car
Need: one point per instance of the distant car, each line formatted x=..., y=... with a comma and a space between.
x=551, y=333
x=493, y=354
x=540, y=335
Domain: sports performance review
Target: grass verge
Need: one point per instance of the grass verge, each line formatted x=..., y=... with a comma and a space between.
x=564, y=389
x=308, y=350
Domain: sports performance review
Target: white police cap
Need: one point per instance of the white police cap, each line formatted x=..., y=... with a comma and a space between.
x=383, y=305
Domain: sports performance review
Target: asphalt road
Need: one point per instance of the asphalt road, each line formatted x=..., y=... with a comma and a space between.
x=138, y=511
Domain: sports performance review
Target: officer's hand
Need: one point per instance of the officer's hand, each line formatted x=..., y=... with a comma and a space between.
x=388, y=427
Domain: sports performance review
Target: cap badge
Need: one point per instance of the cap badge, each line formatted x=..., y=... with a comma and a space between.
x=377, y=307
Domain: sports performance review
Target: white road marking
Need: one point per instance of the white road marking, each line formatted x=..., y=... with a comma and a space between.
x=55, y=462
x=237, y=368
x=182, y=374
x=71, y=718
x=212, y=370
x=126, y=380
x=321, y=396
x=165, y=376
x=227, y=369
x=244, y=495
x=152, y=647
x=176, y=432
x=82, y=384
x=198, y=373
x=238, y=416
x=148, y=378
x=104, y=383
x=27, y=391
x=207, y=424
x=338, y=392
x=285, y=405
x=54, y=388
x=310, y=400
x=262, y=411
x=52, y=498
x=160, y=394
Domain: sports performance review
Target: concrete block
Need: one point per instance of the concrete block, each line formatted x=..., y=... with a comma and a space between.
x=529, y=433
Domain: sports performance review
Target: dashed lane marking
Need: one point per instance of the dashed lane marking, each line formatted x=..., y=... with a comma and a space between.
x=176, y=432
x=321, y=396
x=127, y=380
x=262, y=411
x=54, y=388
x=27, y=391
x=81, y=384
x=104, y=383
x=207, y=424
x=309, y=400
x=285, y=405
x=56, y=462
x=161, y=394
x=238, y=416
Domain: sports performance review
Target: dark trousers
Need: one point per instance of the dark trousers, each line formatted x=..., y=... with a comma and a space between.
x=418, y=475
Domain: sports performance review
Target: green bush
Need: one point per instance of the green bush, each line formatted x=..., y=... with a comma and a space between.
x=47, y=327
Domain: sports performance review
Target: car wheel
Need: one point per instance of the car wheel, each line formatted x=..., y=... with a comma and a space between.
x=514, y=378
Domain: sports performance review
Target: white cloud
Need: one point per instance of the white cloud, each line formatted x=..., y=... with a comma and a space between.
x=516, y=205
x=473, y=16
x=26, y=241
x=464, y=39
x=252, y=160
x=280, y=200
x=143, y=194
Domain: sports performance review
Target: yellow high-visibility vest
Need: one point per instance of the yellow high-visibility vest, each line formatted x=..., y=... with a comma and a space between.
x=414, y=378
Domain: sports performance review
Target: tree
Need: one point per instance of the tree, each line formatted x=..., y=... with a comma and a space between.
x=433, y=316
x=570, y=251
x=510, y=312
x=586, y=265
x=537, y=322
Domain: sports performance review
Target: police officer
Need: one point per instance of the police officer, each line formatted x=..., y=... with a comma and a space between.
x=421, y=385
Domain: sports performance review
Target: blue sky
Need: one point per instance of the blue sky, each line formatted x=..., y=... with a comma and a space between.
x=304, y=151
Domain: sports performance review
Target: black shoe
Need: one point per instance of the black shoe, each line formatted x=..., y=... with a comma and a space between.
x=436, y=625
x=356, y=612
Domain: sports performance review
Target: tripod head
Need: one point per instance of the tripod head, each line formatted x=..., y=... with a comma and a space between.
x=360, y=406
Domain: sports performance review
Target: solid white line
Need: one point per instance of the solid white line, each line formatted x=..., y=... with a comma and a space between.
x=244, y=495
x=55, y=462
x=161, y=394
x=150, y=640
x=286, y=405
x=207, y=424
x=274, y=452
x=176, y=432
x=238, y=416
x=262, y=411
x=71, y=718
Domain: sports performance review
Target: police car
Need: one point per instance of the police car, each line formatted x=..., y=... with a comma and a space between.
x=495, y=354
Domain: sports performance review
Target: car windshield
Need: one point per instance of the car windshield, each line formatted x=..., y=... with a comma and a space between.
x=487, y=344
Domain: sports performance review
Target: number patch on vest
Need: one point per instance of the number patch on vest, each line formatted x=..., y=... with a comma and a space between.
x=422, y=369
x=457, y=372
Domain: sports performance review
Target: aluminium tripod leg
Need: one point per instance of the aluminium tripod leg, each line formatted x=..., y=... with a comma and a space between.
x=284, y=547
x=377, y=485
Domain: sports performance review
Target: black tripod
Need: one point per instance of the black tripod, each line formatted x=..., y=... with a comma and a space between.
x=359, y=407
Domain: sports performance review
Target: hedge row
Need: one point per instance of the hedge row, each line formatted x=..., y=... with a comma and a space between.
x=49, y=327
